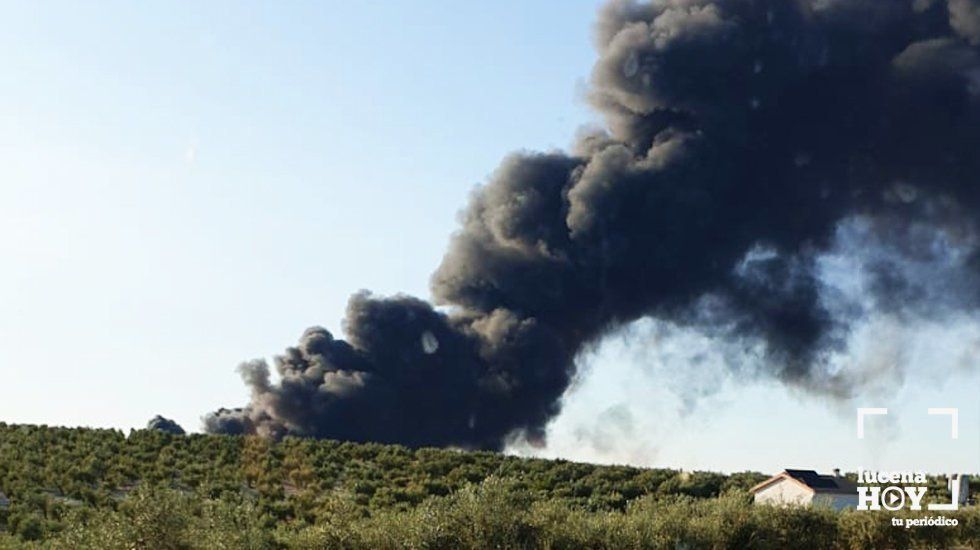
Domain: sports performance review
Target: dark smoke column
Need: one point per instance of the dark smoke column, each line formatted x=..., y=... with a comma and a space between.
x=165, y=425
x=741, y=134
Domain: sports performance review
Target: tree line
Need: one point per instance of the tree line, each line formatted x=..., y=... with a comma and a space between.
x=79, y=488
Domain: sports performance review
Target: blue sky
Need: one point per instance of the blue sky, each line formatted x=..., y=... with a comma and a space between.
x=184, y=186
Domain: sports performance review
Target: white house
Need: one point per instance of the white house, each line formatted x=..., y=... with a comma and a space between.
x=959, y=485
x=805, y=488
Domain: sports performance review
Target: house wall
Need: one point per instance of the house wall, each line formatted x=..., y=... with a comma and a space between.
x=964, y=483
x=837, y=502
x=784, y=492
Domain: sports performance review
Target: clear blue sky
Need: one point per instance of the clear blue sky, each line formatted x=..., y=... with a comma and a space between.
x=184, y=186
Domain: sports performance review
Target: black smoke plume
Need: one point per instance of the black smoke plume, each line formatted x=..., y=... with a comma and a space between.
x=741, y=137
x=165, y=425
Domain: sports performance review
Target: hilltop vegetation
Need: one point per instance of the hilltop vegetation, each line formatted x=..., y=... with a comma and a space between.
x=71, y=488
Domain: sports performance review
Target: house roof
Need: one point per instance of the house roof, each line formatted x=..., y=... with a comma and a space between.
x=810, y=480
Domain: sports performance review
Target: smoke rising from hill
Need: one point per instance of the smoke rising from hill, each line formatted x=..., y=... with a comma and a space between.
x=165, y=425
x=745, y=141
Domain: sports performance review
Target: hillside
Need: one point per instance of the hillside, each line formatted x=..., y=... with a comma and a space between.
x=85, y=487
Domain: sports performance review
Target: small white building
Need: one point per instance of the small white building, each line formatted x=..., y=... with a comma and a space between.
x=806, y=488
x=959, y=487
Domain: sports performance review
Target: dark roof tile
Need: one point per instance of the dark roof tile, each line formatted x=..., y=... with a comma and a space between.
x=819, y=483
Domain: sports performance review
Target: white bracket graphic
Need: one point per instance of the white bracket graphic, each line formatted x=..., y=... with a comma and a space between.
x=954, y=419
x=864, y=411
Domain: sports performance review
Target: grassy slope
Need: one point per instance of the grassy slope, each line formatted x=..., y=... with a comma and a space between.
x=67, y=486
